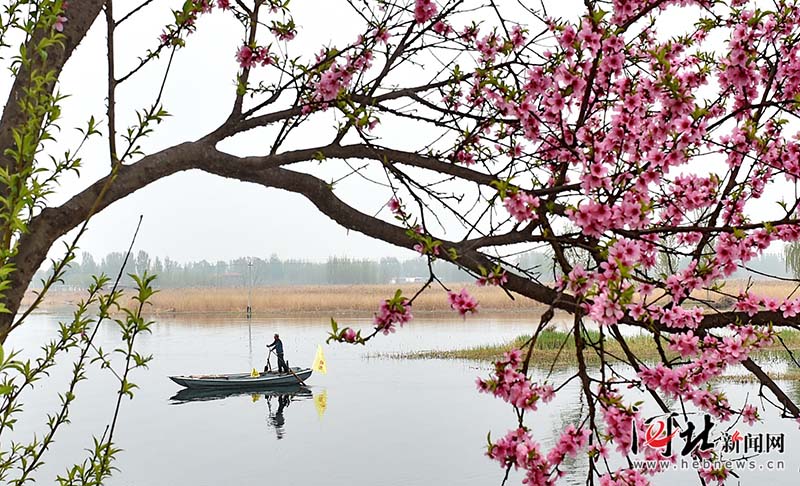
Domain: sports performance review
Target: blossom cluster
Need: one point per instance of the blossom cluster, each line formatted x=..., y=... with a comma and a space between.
x=497, y=277
x=619, y=421
x=249, y=57
x=522, y=206
x=336, y=76
x=424, y=10
x=462, y=302
x=512, y=385
x=345, y=335
x=571, y=442
x=517, y=449
x=391, y=312
x=715, y=355
x=396, y=208
x=624, y=477
x=349, y=335
x=751, y=304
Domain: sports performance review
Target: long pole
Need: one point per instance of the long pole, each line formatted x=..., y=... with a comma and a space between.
x=249, y=309
x=249, y=287
x=298, y=378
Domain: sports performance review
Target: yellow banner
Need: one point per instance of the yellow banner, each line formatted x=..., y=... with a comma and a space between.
x=320, y=364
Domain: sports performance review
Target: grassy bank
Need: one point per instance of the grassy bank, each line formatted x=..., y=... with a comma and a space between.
x=549, y=342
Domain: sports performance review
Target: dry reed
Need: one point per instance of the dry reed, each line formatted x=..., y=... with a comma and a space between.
x=359, y=299
x=339, y=299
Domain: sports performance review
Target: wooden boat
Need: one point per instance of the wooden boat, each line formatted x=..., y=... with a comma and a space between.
x=244, y=380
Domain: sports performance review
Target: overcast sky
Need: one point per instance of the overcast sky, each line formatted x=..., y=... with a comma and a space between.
x=194, y=215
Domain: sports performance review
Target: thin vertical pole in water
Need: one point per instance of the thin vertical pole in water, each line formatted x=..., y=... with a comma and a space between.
x=249, y=287
x=249, y=308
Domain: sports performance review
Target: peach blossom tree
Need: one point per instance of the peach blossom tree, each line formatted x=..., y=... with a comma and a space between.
x=649, y=146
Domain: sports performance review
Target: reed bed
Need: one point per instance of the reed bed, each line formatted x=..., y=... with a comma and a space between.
x=363, y=299
x=552, y=346
x=339, y=299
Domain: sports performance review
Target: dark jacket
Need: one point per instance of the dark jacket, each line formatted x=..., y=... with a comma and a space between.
x=278, y=345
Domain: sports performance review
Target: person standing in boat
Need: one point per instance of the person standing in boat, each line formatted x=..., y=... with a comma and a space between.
x=277, y=345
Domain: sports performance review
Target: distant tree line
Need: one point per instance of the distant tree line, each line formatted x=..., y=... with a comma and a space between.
x=258, y=271
x=336, y=270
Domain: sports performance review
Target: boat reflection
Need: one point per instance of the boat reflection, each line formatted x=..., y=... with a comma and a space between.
x=278, y=399
x=293, y=392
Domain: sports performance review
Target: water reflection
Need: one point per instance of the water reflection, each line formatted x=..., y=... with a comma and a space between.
x=278, y=399
x=275, y=418
x=404, y=410
x=296, y=392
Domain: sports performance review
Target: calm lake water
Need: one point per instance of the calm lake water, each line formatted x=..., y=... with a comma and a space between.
x=387, y=421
